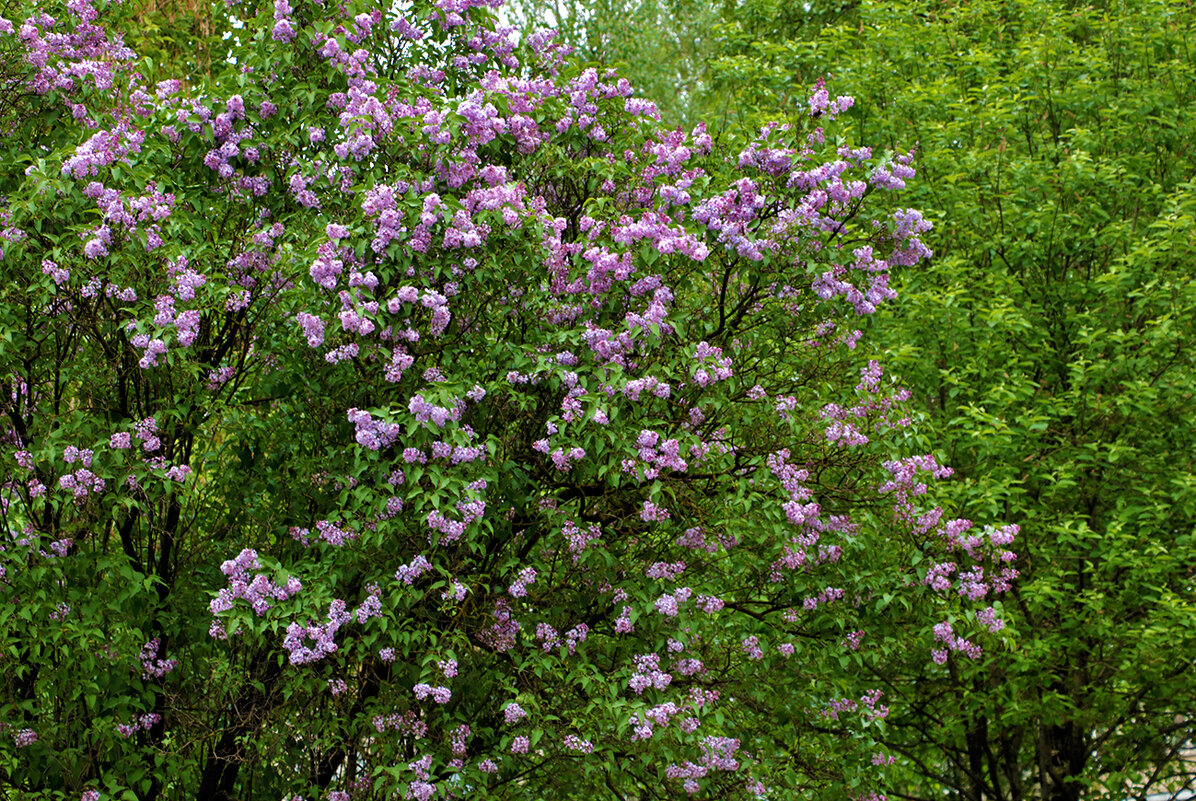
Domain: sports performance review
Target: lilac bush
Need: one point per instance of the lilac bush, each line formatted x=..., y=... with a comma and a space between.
x=402, y=411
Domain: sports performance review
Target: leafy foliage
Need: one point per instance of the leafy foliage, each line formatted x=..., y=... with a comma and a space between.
x=663, y=47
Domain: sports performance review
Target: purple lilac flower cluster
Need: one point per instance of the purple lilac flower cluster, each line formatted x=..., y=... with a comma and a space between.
x=259, y=590
x=153, y=667
x=141, y=723
x=322, y=636
x=392, y=277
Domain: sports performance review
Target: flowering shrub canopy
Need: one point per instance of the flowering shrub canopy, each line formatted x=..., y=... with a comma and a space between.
x=403, y=412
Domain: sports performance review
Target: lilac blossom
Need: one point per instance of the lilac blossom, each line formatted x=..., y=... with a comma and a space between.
x=415, y=231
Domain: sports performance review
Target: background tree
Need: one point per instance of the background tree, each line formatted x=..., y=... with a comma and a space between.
x=392, y=410
x=663, y=46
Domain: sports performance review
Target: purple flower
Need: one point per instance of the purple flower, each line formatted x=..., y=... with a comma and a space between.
x=651, y=512
x=440, y=695
x=988, y=617
x=456, y=591
x=519, y=588
x=575, y=743
x=408, y=573
x=95, y=249
x=514, y=713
